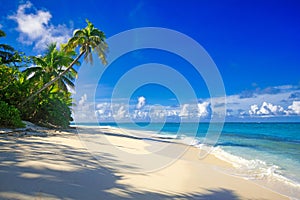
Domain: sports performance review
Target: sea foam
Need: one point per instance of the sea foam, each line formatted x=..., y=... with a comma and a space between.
x=267, y=175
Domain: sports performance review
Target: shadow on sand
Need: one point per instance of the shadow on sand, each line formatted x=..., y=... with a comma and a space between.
x=34, y=168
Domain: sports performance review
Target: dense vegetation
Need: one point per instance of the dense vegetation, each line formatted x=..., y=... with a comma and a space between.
x=36, y=88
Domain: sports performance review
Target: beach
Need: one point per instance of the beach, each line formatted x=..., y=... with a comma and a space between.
x=59, y=166
x=149, y=100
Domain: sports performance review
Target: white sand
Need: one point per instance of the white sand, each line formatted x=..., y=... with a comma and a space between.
x=59, y=167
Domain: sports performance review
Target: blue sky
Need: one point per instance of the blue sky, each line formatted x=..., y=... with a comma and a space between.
x=254, y=44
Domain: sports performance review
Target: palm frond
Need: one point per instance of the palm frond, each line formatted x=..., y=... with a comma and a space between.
x=2, y=33
x=7, y=47
x=30, y=70
x=38, y=61
x=69, y=82
x=102, y=50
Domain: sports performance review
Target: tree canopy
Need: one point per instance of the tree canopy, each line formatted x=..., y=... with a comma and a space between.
x=40, y=92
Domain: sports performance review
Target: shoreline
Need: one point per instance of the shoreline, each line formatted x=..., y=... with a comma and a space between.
x=62, y=156
x=222, y=165
x=266, y=176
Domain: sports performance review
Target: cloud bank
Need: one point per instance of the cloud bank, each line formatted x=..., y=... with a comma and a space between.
x=106, y=111
x=277, y=102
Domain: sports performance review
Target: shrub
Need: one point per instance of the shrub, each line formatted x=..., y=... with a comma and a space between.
x=53, y=113
x=57, y=113
x=10, y=116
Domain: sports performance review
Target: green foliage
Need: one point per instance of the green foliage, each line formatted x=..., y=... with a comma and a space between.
x=89, y=39
x=13, y=85
x=40, y=93
x=10, y=116
x=50, y=108
x=7, y=76
x=52, y=112
x=9, y=56
x=58, y=113
x=52, y=65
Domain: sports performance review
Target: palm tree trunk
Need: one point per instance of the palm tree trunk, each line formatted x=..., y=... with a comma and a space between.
x=53, y=80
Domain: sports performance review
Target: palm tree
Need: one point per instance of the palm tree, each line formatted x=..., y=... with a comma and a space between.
x=8, y=55
x=50, y=66
x=88, y=39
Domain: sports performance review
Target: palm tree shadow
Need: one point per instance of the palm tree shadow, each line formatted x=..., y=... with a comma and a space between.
x=33, y=168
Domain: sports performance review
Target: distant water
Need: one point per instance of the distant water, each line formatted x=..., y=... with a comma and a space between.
x=268, y=153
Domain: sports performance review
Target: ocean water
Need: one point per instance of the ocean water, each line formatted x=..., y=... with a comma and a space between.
x=267, y=153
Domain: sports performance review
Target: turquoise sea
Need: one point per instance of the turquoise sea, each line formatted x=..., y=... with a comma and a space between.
x=267, y=153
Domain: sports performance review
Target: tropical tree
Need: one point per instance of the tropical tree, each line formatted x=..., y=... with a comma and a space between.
x=2, y=33
x=51, y=65
x=8, y=55
x=88, y=39
x=10, y=93
x=11, y=79
x=51, y=106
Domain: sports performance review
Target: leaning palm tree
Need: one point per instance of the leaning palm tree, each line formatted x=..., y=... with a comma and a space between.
x=88, y=39
x=50, y=66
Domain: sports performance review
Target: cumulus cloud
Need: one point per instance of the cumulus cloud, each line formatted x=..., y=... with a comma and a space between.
x=103, y=111
x=253, y=109
x=141, y=102
x=204, y=109
x=184, y=112
x=266, y=109
x=266, y=105
x=294, y=108
x=121, y=113
x=140, y=115
x=277, y=100
x=192, y=111
x=35, y=28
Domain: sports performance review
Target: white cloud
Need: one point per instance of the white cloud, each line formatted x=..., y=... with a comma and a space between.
x=82, y=100
x=159, y=112
x=121, y=112
x=184, y=111
x=259, y=105
x=253, y=109
x=35, y=28
x=1, y=26
x=266, y=109
x=294, y=108
x=141, y=102
x=240, y=107
x=203, y=109
x=138, y=114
